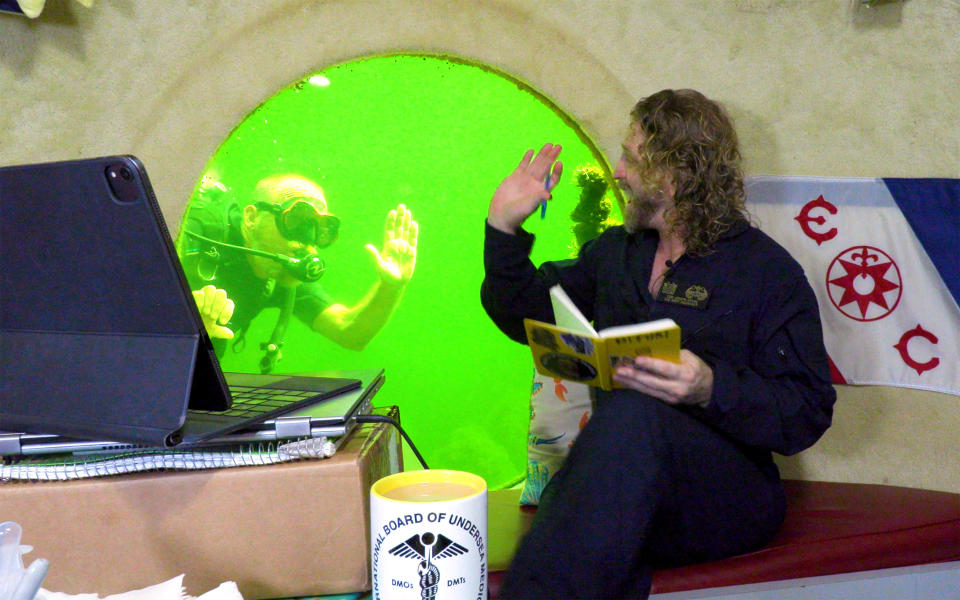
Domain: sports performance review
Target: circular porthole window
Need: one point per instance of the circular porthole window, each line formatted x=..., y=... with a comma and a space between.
x=435, y=134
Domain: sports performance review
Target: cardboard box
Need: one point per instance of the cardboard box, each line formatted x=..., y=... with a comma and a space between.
x=292, y=529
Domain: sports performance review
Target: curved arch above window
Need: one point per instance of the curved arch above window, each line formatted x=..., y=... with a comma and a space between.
x=437, y=134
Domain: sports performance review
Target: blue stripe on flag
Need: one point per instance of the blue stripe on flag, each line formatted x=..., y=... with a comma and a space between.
x=932, y=208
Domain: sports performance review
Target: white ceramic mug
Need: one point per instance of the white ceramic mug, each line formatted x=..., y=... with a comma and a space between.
x=428, y=536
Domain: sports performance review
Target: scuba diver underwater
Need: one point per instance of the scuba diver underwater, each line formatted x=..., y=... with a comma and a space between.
x=243, y=256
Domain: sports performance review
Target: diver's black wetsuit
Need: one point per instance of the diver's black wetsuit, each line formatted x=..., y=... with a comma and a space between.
x=647, y=484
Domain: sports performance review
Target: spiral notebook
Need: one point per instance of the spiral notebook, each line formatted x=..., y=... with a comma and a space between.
x=99, y=332
x=87, y=466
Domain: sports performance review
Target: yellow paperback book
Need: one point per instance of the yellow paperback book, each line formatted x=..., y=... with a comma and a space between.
x=574, y=351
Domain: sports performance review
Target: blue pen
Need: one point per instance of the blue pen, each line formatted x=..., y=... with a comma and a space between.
x=543, y=205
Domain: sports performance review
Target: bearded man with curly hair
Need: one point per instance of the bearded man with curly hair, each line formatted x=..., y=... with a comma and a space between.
x=676, y=466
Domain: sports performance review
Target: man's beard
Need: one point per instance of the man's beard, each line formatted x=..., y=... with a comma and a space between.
x=637, y=213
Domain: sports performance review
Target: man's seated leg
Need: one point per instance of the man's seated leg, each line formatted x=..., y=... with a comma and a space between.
x=645, y=484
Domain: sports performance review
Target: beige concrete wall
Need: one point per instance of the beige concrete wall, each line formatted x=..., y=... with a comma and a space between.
x=814, y=91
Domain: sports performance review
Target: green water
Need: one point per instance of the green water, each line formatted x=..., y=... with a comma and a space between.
x=437, y=134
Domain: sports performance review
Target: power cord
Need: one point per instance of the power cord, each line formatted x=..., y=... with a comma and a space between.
x=390, y=421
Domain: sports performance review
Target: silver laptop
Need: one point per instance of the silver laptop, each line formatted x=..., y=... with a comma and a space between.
x=333, y=418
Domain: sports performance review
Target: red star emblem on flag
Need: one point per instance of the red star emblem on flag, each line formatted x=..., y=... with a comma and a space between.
x=865, y=276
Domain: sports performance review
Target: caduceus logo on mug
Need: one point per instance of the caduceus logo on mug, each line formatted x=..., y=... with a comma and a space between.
x=428, y=548
x=428, y=536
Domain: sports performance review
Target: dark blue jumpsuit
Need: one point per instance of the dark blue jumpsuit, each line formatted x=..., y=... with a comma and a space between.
x=648, y=484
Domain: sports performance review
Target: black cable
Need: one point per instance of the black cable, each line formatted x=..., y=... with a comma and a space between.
x=388, y=420
x=212, y=242
x=309, y=267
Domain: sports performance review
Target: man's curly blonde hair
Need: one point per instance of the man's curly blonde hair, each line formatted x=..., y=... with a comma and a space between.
x=691, y=139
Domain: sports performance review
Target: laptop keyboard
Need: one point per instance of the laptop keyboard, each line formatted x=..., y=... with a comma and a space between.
x=252, y=401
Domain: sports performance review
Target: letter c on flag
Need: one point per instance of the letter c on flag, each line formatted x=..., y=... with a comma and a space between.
x=901, y=346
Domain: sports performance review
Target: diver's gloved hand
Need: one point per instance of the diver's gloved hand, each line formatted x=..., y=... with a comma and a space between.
x=399, y=255
x=216, y=310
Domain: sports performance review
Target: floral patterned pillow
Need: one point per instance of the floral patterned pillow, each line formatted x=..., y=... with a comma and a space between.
x=558, y=411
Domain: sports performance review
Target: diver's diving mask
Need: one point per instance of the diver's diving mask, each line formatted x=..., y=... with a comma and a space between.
x=299, y=220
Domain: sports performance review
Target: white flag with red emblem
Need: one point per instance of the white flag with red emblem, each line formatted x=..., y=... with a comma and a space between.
x=883, y=256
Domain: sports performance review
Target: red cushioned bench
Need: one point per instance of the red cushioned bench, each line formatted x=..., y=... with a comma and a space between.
x=832, y=528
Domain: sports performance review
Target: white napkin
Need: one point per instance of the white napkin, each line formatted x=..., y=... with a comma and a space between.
x=168, y=590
